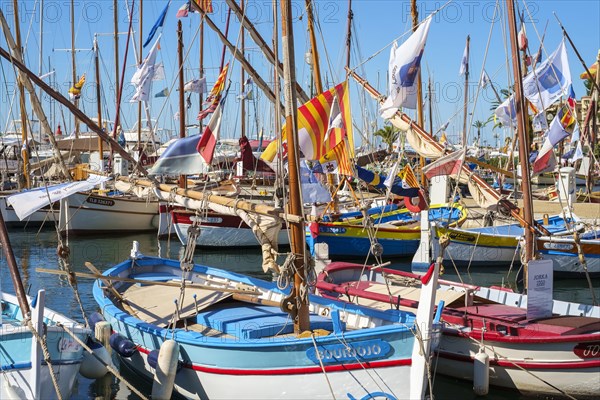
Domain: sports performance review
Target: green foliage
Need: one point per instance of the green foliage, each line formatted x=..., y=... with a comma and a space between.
x=389, y=135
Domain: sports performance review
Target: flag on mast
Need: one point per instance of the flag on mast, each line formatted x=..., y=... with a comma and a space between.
x=464, y=63
x=214, y=97
x=210, y=135
x=142, y=79
x=405, y=63
x=158, y=24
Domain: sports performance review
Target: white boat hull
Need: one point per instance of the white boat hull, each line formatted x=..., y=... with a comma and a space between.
x=84, y=213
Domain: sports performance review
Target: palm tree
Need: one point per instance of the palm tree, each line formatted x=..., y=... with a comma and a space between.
x=388, y=135
x=478, y=125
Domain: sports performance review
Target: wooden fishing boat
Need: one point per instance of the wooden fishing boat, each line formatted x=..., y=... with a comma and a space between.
x=91, y=213
x=490, y=245
x=229, y=330
x=218, y=230
x=564, y=253
x=45, y=214
x=549, y=356
x=17, y=353
x=398, y=231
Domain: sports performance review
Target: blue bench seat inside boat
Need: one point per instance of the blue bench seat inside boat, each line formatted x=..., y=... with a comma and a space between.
x=255, y=321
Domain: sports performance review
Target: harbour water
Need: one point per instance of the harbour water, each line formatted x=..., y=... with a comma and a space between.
x=37, y=249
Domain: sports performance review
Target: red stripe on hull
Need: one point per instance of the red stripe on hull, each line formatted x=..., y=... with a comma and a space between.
x=526, y=364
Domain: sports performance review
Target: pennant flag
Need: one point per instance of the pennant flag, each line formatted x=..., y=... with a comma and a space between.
x=576, y=133
x=158, y=24
x=142, y=79
x=447, y=165
x=195, y=86
x=464, y=63
x=183, y=10
x=485, y=80
x=561, y=126
x=578, y=153
x=312, y=190
x=593, y=70
x=162, y=93
x=523, y=42
x=405, y=62
x=336, y=160
x=335, y=118
x=188, y=101
x=538, y=56
x=247, y=90
x=159, y=71
x=214, y=97
x=180, y=158
x=210, y=135
x=506, y=112
x=314, y=136
x=549, y=81
x=539, y=122
x=75, y=90
x=571, y=100
x=204, y=5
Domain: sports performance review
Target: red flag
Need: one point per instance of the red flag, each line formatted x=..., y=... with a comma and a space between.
x=210, y=136
x=447, y=165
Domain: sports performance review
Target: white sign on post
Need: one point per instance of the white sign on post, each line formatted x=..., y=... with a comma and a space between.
x=539, y=289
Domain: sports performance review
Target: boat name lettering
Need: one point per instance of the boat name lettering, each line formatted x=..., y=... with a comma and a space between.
x=332, y=229
x=207, y=220
x=461, y=236
x=353, y=352
x=100, y=201
x=558, y=246
x=541, y=276
x=68, y=346
x=587, y=350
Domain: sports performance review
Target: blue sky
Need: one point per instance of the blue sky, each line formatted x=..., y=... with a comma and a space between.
x=377, y=24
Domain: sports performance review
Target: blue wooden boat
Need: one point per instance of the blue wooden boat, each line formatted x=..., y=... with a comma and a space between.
x=236, y=345
x=397, y=231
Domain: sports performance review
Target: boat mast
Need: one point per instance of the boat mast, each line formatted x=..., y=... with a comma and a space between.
x=348, y=35
x=521, y=115
x=116, y=40
x=14, y=270
x=415, y=25
x=98, y=99
x=300, y=289
x=41, y=39
x=139, y=114
x=466, y=101
x=201, y=95
x=182, y=178
x=24, y=152
x=430, y=106
x=242, y=77
x=73, y=67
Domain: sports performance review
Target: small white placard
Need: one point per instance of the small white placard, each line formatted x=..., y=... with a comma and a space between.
x=539, y=289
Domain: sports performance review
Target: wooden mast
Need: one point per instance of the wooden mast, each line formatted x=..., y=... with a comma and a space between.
x=201, y=50
x=242, y=77
x=348, y=35
x=24, y=151
x=415, y=22
x=466, y=101
x=430, y=106
x=14, y=269
x=182, y=178
x=313, y=47
x=139, y=113
x=300, y=289
x=73, y=66
x=521, y=115
x=99, y=102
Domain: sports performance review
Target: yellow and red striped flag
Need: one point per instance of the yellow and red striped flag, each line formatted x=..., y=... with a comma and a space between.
x=320, y=130
x=204, y=5
x=214, y=97
x=337, y=160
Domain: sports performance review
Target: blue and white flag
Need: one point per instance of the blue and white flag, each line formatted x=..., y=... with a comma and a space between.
x=312, y=190
x=464, y=63
x=485, y=80
x=180, y=158
x=578, y=153
x=550, y=81
x=143, y=77
x=158, y=24
x=576, y=134
x=506, y=112
x=405, y=63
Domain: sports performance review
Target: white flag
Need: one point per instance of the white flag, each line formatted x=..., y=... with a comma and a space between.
x=159, y=72
x=335, y=118
x=196, y=86
x=464, y=63
x=578, y=153
x=389, y=180
x=485, y=80
x=550, y=80
x=405, y=62
x=142, y=79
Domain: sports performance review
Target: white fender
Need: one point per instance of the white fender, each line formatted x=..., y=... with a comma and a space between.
x=481, y=373
x=164, y=375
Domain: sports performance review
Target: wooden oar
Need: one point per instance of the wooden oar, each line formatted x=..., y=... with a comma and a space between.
x=108, y=279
